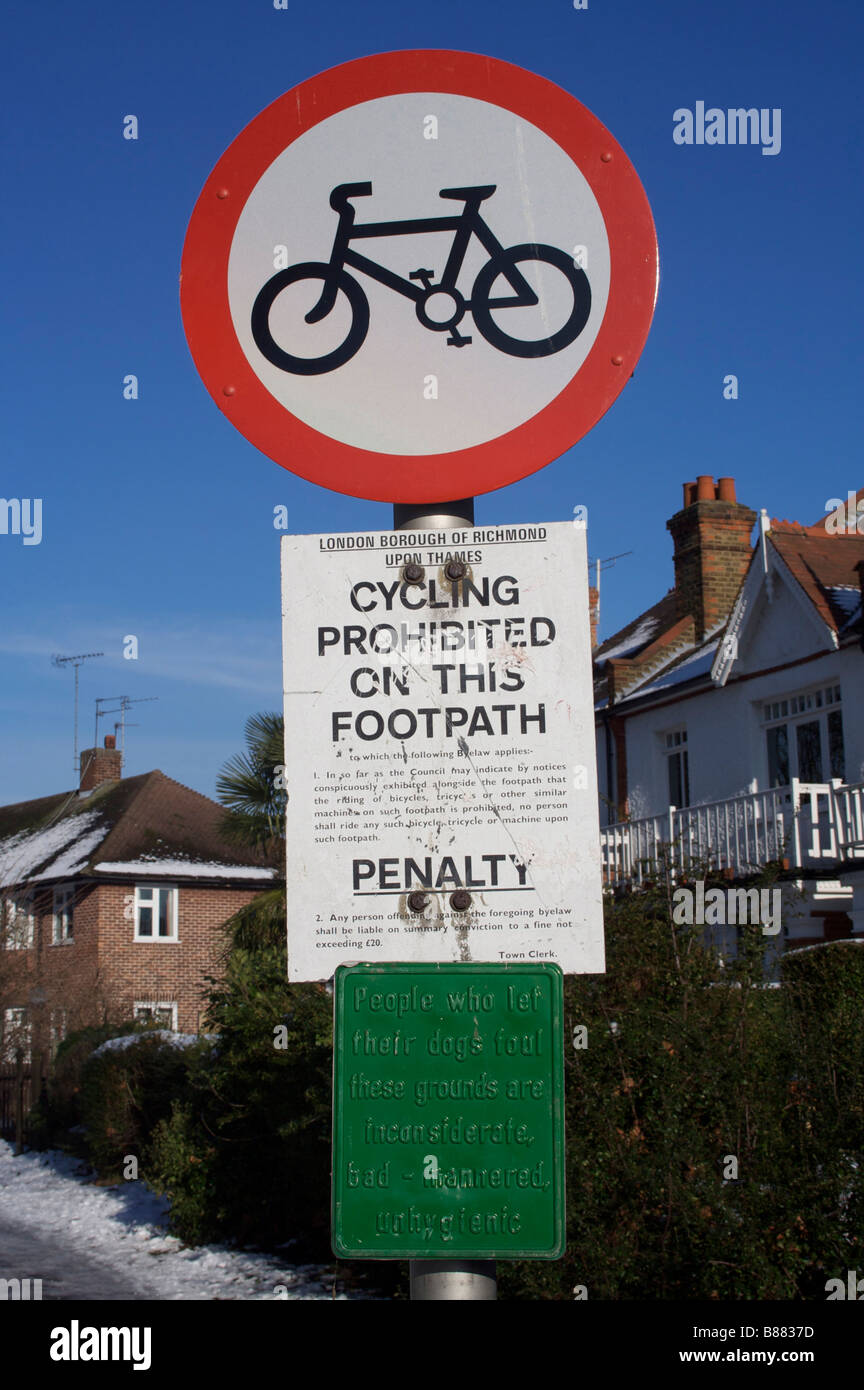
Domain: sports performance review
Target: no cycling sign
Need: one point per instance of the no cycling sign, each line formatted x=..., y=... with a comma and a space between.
x=418, y=275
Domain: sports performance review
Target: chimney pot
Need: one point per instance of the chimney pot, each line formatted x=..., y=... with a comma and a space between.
x=689, y=494
x=726, y=490
x=705, y=488
x=110, y=741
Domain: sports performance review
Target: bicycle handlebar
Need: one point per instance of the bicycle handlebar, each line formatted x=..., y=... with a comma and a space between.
x=343, y=191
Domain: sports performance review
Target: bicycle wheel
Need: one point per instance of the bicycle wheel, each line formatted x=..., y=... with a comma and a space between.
x=309, y=366
x=482, y=308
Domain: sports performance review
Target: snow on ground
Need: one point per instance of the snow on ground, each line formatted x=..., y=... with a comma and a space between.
x=121, y=1230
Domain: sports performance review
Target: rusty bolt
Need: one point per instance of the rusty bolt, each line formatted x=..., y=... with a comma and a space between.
x=413, y=573
x=455, y=569
x=460, y=901
x=417, y=901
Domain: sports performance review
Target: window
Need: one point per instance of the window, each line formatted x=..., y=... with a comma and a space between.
x=155, y=914
x=677, y=768
x=16, y=1035
x=64, y=900
x=19, y=922
x=160, y=1015
x=804, y=737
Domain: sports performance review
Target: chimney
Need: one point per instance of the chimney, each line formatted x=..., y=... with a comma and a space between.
x=712, y=551
x=100, y=765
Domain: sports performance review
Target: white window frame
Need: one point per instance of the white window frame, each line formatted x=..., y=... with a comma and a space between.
x=17, y=1033
x=811, y=705
x=63, y=906
x=164, y=1006
x=18, y=910
x=674, y=745
x=153, y=888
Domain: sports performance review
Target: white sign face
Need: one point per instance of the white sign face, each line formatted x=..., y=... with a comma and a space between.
x=439, y=749
x=459, y=318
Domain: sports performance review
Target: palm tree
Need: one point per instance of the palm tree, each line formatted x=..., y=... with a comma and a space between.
x=251, y=787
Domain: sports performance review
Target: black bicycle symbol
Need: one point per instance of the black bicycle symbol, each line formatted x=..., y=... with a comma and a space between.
x=439, y=306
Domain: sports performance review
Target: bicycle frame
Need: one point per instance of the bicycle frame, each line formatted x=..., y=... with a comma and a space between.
x=464, y=225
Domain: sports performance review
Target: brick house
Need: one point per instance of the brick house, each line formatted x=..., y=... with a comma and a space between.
x=729, y=714
x=112, y=900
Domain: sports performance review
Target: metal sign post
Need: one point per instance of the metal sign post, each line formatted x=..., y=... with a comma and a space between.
x=440, y=1280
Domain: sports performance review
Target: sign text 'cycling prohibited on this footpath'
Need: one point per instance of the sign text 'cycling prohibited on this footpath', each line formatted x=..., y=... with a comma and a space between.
x=440, y=757
x=419, y=274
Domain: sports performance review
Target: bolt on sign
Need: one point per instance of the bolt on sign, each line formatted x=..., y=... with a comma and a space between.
x=418, y=275
x=449, y=1112
x=439, y=746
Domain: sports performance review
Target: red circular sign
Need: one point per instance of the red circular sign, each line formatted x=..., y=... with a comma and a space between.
x=419, y=276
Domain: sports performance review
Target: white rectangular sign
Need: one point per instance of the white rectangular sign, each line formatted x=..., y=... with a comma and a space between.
x=439, y=741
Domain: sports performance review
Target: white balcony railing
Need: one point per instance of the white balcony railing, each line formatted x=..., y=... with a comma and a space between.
x=804, y=824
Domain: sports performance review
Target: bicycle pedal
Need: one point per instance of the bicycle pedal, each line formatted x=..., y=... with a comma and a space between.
x=460, y=341
x=424, y=275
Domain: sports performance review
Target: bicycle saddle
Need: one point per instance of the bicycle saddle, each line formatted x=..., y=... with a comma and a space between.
x=343, y=191
x=469, y=194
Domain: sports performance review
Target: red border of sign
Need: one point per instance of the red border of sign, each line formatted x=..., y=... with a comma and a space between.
x=427, y=477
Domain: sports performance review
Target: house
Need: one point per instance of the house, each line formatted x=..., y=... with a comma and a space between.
x=112, y=897
x=729, y=714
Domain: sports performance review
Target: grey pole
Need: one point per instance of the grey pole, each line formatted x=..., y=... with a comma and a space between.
x=449, y=1280
x=445, y=1280
x=433, y=516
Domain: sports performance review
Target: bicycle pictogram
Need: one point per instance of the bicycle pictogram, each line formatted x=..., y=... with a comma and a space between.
x=439, y=305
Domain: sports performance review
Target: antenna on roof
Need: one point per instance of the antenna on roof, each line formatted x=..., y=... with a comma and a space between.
x=598, y=566
x=76, y=661
x=120, y=708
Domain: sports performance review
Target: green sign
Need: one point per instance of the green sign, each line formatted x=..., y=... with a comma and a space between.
x=448, y=1112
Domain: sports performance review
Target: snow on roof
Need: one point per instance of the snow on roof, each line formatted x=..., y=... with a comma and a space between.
x=62, y=845
x=846, y=597
x=183, y=868
x=698, y=663
x=639, y=637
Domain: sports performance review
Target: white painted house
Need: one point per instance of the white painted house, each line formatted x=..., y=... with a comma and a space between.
x=730, y=716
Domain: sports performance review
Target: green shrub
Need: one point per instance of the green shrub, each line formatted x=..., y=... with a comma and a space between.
x=702, y=1065
x=249, y=1155
x=181, y=1161
x=125, y=1092
x=59, y=1114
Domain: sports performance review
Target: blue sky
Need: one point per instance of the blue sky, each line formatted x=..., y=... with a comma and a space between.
x=158, y=515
